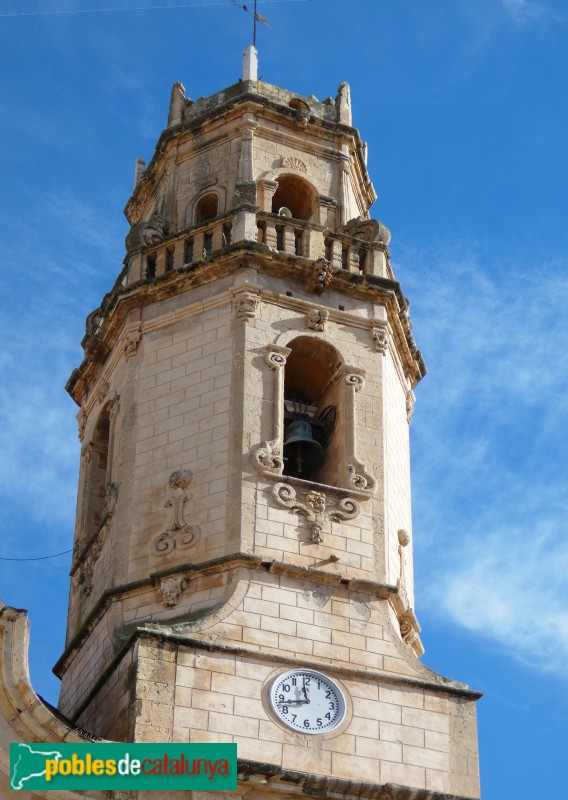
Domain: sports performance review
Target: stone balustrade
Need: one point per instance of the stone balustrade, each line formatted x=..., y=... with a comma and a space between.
x=292, y=236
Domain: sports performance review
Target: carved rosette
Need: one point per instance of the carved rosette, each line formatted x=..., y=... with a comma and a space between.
x=179, y=533
x=380, y=338
x=171, y=590
x=314, y=507
x=409, y=626
x=320, y=276
x=246, y=305
x=316, y=319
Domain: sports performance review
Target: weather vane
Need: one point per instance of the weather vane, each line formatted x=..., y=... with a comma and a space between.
x=255, y=15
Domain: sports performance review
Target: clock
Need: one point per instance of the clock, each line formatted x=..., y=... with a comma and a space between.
x=307, y=701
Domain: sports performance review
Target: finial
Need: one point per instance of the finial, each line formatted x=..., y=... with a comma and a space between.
x=250, y=63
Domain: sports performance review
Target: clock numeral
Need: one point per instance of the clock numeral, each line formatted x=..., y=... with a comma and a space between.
x=286, y=688
x=328, y=716
x=294, y=717
x=319, y=722
x=306, y=723
x=281, y=697
x=331, y=705
x=284, y=709
x=327, y=695
x=307, y=682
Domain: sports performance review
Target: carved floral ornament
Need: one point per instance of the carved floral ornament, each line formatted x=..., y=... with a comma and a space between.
x=314, y=506
x=179, y=533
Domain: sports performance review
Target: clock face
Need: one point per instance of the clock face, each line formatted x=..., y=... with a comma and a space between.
x=307, y=701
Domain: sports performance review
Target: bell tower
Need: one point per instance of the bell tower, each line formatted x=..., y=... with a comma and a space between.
x=243, y=546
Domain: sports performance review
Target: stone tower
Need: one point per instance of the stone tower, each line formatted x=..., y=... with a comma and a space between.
x=243, y=538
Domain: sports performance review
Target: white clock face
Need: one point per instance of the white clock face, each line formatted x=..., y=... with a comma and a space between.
x=307, y=701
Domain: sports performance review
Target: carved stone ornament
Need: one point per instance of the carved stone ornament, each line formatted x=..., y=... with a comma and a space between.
x=354, y=380
x=110, y=501
x=172, y=590
x=293, y=162
x=82, y=421
x=370, y=230
x=410, y=398
x=409, y=626
x=320, y=277
x=316, y=319
x=380, y=339
x=318, y=594
x=246, y=305
x=179, y=533
x=88, y=567
x=268, y=457
x=145, y=234
x=131, y=342
x=313, y=506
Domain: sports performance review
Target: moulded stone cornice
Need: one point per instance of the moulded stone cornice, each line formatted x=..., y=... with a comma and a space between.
x=270, y=779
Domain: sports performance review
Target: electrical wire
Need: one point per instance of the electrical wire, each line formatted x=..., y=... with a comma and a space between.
x=38, y=558
x=122, y=10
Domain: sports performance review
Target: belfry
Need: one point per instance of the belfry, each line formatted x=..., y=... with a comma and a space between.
x=242, y=566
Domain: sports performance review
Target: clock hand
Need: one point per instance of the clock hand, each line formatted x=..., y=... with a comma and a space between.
x=291, y=702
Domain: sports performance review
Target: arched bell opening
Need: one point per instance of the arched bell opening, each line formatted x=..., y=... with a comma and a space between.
x=207, y=208
x=312, y=419
x=98, y=472
x=296, y=195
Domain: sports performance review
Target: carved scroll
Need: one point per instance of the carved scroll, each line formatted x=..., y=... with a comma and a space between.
x=179, y=533
x=357, y=474
x=314, y=506
x=268, y=457
x=409, y=626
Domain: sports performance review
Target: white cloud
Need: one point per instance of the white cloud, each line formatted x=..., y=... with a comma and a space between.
x=489, y=473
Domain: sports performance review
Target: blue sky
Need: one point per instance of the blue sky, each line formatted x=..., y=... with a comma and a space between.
x=463, y=103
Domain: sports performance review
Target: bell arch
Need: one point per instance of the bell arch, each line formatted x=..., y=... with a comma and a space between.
x=297, y=194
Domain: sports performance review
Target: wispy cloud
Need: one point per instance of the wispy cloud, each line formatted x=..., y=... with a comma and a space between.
x=525, y=10
x=490, y=470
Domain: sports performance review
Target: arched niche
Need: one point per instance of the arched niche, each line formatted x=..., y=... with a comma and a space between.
x=313, y=393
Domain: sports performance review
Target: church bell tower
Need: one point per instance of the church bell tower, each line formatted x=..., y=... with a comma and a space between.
x=243, y=547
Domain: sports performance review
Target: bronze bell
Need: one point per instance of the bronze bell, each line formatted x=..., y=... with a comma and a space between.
x=301, y=450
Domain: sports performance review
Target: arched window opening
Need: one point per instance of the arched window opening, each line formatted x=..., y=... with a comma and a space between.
x=295, y=194
x=98, y=474
x=312, y=424
x=206, y=208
